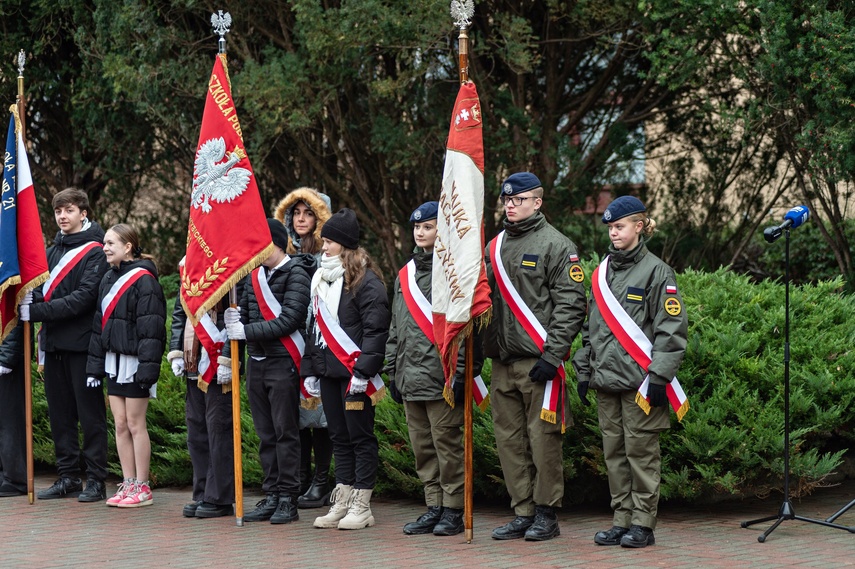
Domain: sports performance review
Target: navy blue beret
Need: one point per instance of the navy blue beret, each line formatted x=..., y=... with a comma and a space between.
x=519, y=183
x=622, y=207
x=424, y=212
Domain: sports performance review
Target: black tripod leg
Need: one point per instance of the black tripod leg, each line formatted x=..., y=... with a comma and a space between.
x=841, y=511
x=761, y=538
x=760, y=521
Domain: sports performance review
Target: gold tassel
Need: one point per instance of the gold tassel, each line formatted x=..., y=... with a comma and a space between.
x=642, y=402
x=354, y=405
x=310, y=404
x=378, y=396
x=681, y=412
x=448, y=394
x=548, y=416
x=227, y=388
x=201, y=384
x=485, y=403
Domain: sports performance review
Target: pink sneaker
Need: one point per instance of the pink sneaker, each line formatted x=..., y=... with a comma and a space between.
x=124, y=490
x=140, y=495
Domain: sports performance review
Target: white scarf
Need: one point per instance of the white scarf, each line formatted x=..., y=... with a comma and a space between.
x=327, y=283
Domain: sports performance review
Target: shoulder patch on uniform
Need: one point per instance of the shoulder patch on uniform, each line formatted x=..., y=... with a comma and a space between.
x=673, y=306
x=635, y=295
x=670, y=289
x=573, y=258
x=577, y=274
x=529, y=262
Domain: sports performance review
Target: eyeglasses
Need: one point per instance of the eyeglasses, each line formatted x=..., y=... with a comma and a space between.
x=515, y=200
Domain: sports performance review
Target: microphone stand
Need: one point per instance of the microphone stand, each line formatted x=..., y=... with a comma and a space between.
x=786, y=512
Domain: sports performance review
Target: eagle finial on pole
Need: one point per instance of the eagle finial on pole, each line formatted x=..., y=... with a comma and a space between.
x=221, y=24
x=462, y=12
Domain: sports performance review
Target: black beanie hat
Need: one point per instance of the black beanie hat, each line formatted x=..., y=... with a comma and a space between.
x=343, y=228
x=278, y=232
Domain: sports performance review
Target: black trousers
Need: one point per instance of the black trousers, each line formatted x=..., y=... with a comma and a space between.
x=210, y=441
x=274, y=399
x=352, y=432
x=70, y=401
x=13, y=444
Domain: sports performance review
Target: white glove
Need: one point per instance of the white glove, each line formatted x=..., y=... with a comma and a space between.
x=178, y=367
x=224, y=374
x=92, y=382
x=358, y=385
x=4, y=370
x=24, y=312
x=231, y=316
x=235, y=331
x=313, y=386
x=28, y=297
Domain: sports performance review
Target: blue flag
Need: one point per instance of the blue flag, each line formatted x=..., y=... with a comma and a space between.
x=10, y=272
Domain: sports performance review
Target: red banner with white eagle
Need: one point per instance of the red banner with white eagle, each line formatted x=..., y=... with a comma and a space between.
x=460, y=295
x=227, y=236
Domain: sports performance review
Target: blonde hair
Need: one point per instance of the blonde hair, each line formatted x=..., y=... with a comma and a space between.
x=649, y=223
x=127, y=234
x=356, y=263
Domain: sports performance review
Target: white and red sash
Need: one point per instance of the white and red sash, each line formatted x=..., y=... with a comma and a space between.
x=631, y=337
x=65, y=265
x=270, y=309
x=421, y=311
x=552, y=395
x=345, y=349
x=119, y=288
x=212, y=340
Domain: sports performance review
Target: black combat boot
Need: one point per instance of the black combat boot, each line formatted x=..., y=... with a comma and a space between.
x=638, y=536
x=318, y=494
x=264, y=509
x=451, y=522
x=514, y=529
x=425, y=523
x=286, y=511
x=545, y=524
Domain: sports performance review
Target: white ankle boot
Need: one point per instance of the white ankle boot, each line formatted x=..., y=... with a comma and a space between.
x=339, y=502
x=359, y=514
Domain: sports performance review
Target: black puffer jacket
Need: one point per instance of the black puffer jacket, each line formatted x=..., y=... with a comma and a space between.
x=137, y=326
x=364, y=316
x=12, y=348
x=290, y=286
x=67, y=316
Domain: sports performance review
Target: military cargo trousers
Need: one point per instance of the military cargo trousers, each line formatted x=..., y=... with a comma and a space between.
x=437, y=440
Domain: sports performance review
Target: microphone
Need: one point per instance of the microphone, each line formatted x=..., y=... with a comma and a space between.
x=794, y=218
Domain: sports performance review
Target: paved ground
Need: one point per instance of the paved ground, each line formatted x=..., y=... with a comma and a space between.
x=65, y=533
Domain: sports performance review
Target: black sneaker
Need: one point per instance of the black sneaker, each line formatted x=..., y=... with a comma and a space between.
x=264, y=509
x=638, y=536
x=64, y=487
x=95, y=492
x=425, y=523
x=189, y=509
x=451, y=522
x=514, y=529
x=209, y=510
x=610, y=536
x=286, y=511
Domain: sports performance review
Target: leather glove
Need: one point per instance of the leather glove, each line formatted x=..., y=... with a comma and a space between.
x=178, y=367
x=235, y=331
x=93, y=382
x=24, y=312
x=542, y=371
x=313, y=386
x=459, y=389
x=28, y=297
x=582, y=390
x=4, y=370
x=656, y=394
x=393, y=391
x=224, y=374
x=358, y=385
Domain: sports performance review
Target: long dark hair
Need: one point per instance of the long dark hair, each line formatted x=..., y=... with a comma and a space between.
x=356, y=263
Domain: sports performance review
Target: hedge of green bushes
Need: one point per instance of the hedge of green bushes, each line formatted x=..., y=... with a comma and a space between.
x=729, y=443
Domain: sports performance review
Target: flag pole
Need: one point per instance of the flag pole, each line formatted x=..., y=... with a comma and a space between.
x=221, y=23
x=462, y=12
x=28, y=347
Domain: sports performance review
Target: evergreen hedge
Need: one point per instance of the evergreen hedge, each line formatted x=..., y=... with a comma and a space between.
x=730, y=443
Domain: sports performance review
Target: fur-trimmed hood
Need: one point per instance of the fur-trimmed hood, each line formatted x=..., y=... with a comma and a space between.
x=320, y=204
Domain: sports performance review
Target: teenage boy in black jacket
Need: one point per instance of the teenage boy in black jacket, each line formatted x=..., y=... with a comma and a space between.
x=65, y=306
